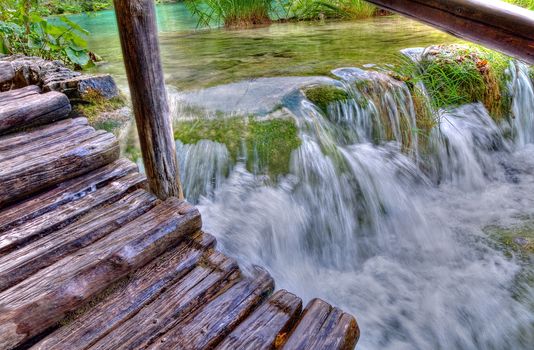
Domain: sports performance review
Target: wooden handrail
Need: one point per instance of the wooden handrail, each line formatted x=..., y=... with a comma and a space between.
x=139, y=40
x=496, y=24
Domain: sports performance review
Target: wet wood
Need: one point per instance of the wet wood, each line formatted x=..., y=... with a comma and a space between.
x=139, y=39
x=498, y=25
x=26, y=174
x=13, y=95
x=268, y=326
x=7, y=74
x=60, y=205
x=24, y=262
x=213, y=275
x=34, y=110
x=14, y=141
x=40, y=301
x=142, y=288
x=323, y=327
x=217, y=319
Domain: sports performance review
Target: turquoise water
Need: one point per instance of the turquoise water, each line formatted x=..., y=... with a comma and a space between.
x=195, y=59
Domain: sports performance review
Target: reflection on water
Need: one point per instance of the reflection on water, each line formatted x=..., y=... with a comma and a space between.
x=199, y=58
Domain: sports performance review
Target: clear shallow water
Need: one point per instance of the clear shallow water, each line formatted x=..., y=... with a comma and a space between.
x=194, y=59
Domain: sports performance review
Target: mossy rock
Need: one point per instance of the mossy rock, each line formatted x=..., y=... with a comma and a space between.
x=324, y=95
x=516, y=239
x=266, y=144
x=101, y=112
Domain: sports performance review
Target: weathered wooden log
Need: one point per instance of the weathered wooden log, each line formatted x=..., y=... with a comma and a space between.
x=34, y=110
x=14, y=141
x=7, y=74
x=145, y=285
x=138, y=33
x=496, y=24
x=43, y=299
x=318, y=324
x=60, y=205
x=29, y=173
x=267, y=327
x=213, y=275
x=217, y=319
x=24, y=262
x=13, y=95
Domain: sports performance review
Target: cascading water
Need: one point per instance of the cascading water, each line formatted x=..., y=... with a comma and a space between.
x=357, y=222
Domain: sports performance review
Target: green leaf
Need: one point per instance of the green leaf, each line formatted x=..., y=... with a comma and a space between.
x=73, y=25
x=80, y=58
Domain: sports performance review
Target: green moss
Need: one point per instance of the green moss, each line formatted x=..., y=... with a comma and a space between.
x=324, y=95
x=93, y=106
x=516, y=239
x=268, y=143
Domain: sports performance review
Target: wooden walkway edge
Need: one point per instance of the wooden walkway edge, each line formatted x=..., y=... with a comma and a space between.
x=90, y=260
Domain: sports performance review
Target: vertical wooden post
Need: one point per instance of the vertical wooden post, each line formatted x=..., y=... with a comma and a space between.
x=139, y=40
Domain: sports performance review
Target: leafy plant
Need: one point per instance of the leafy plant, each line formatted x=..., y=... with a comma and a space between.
x=317, y=9
x=232, y=13
x=529, y=4
x=23, y=30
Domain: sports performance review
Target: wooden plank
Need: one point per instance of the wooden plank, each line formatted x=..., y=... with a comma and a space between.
x=43, y=299
x=323, y=327
x=27, y=174
x=11, y=141
x=13, y=95
x=139, y=40
x=67, y=192
x=213, y=275
x=34, y=110
x=498, y=25
x=142, y=288
x=217, y=319
x=24, y=262
x=73, y=133
x=267, y=327
x=7, y=74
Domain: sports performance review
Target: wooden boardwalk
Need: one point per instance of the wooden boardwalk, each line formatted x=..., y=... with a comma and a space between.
x=90, y=260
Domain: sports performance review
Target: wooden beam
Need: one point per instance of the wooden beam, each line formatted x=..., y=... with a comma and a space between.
x=138, y=33
x=496, y=24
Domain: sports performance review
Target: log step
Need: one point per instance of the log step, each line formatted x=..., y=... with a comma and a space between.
x=53, y=163
x=205, y=329
x=13, y=95
x=34, y=109
x=43, y=299
x=268, y=326
x=143, y=287
x=323, y=327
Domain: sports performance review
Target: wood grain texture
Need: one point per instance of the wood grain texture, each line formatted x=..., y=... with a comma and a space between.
x=138, y=33
x=55, y=199
x=214, y=274
x=34, y=109
x=142, y=288
x=323, y=327
x=503, y=27
x=205, y=329
x=43, y=299
x=7, y=74
x=29, y=173
x=13, y=95
x=24, y=262
x=266, y=326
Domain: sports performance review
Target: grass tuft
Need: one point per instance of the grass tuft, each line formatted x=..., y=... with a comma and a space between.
x=324, y=95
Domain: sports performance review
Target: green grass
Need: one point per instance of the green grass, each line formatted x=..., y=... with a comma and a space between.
x=93, y=105
x=232, y=13
x=320, y=9
x=268, y=143
x=529, y=4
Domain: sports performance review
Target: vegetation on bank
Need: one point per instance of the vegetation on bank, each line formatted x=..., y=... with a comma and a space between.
x=24, y=30
x=529, y=4
x=101, y=112
x=265, y=143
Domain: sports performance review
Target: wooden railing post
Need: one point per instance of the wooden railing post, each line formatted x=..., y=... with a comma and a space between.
x=496, y=24
x=139, y=40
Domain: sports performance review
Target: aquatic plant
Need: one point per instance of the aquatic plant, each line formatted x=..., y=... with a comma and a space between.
x=324, y=95
x=232, y=13
x=259, y=141
x=320, y=9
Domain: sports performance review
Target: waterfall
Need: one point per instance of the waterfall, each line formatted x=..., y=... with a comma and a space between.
x=393, y=234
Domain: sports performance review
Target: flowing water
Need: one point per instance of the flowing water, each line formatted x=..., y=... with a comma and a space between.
x=396, y=235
